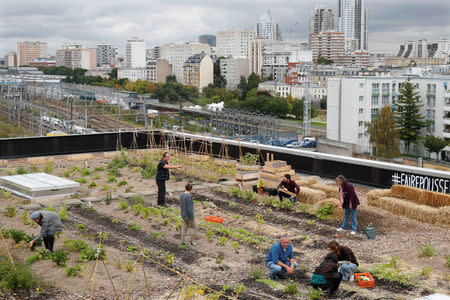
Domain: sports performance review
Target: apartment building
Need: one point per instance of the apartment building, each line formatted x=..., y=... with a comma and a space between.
x=135, y=53
x=235, y=43
x=76, y=56
x=353, y=101
x=321, y=20
x=11, y=60
x=156, y=71
x=27, y=51
x=105, y=54
x=232, y=69
x=329, y=44
x=198, y=70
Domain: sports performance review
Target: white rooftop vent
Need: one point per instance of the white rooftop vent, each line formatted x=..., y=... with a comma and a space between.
x=38, y=185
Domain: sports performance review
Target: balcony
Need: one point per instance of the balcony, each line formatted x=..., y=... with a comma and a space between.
x=447, y=135
x=446, y=121
x=431, y=95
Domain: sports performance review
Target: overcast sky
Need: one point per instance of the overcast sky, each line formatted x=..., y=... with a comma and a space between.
x=158, y=22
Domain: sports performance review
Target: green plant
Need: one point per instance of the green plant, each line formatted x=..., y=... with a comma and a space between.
x=425, y=272
x=324, y=212
x=129, y=266
x=235, y=245
x=169, y=258
x=249, y=196
x=93, y=185
x=48, y=168
x=81, y=180
x=16, y=277
x=314, y=294
x=136, y=209
x=259, y=219
x=17, y=235
x=123, y=205
x=287, y=204
x=223, y=240
x=73, y=271
x=6, y=194
x=122, y=183
x=249, y=159
x=427, y=251
x=275, y=203
x=237, y=216
x=210, y=235
x=59, y=257
x=21, y=170
x=137, y=199
x=74, y=169
x=112, y=179
x=291, y=287
x=132, y=248
x=105, y=188
x=85, y=172
x=102, y=236
x=232, y=204
x=303, y=208
x=26, y=218
x=75, y=245
x=63, y=212
x=134, y=226
x=235, y=192
x=447, y=260
x=115, y=221
x=34, y=169
x=256, y=272
x=99, y=169
x=239, y=288
x=219, y=258
x=10, y=211
x=391, y=272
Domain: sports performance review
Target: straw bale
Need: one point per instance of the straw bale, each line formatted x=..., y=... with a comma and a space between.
x=3, y=163
x=308, y=181
x=407, y=209
x=311, y=196
x=435, y=199
x=332, y=191
x=111, y=154
x=78, y=157
x=409, y=193
x=375, y=194
x=42, y=160
x=443, y=217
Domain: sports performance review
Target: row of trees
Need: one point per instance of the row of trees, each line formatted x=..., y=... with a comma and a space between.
x=401, y=122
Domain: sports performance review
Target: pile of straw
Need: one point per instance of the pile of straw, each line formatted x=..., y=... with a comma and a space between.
x=435, y=199
x=332, y=191
x=443, y=218
x=308, y=181
x=373, y=195
x=420, y=196
x=338, y=212
x=310, y=196
x=407, y=209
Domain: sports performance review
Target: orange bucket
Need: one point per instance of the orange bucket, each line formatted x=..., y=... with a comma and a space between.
x=214, y=219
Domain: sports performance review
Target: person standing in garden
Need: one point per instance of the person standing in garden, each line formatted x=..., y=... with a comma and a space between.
x=50, y=223
x=187, y=213
x=290, y=185
x=280, y=259
x=346, y=259
x=349, y=201
x=162, y=175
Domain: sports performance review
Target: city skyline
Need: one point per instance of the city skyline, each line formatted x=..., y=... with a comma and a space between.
x=55, y=22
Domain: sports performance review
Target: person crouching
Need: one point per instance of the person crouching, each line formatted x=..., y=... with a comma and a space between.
x=50, y=223
x=326, y=276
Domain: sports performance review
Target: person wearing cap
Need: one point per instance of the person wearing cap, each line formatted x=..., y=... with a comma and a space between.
x=50, y=223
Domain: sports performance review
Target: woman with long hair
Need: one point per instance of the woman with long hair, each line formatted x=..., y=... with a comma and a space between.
x=349, y=201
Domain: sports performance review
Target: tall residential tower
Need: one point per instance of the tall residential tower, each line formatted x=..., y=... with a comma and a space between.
x=352, y=20
x=321, y=20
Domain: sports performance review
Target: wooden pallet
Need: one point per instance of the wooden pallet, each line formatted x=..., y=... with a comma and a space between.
x=247, y=176
x=275, y=163
x=276, y=170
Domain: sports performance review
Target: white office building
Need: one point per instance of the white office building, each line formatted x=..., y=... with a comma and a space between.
x=232, y=69
x=352, y=20
x=234, y=42
x=135, y=53
x=177, y=54
x=353, y=101
x=424, y=48
x=268, y=28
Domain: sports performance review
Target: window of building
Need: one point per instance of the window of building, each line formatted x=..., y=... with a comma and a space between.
x=431, y=89
x=430, y=128
x=431, y=101
x=374, y=113
x=361, y=123
x=360, y=135
x=385, y=88
x=361, y=98
x=385, y=99
x=430, y=114
x=361, y=85
x=375, y=99
x=361, y=111
x=375, y=88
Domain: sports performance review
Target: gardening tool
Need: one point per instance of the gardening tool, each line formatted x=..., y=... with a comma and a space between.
x=370, y=231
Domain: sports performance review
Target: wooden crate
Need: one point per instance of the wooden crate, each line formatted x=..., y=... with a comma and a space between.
x=275, y=163
x=246, y=176
x=269, y=169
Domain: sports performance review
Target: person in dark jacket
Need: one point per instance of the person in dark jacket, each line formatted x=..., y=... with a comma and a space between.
x=162, y=175
x=349, y=201
x=346, y=259
x=50, y=223
x=290, y=185
x=326, y=276
x=187, y=213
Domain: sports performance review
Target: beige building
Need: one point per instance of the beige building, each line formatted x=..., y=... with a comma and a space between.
x=329, y=44
x=235, y=43
x=156, y=71
x=27, y=51
x=177, y=54
x=76, y=56
x=198, y=70
x=395, y=61
x=11, y=60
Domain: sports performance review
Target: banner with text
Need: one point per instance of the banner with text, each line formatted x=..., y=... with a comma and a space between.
x=428, y=183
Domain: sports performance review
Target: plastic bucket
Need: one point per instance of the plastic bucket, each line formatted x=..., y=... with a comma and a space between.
x=370, y=231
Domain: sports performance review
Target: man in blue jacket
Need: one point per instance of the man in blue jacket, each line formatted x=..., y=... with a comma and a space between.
x=280, y=259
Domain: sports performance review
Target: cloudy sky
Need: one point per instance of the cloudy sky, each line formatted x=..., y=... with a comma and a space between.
x=158, y=22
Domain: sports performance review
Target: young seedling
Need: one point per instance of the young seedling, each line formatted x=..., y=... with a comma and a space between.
x=235, y=245
x=223, y=241
x=10, y=211
x=123, y=205
x=256, y=272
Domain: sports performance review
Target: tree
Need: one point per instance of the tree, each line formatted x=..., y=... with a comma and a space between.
x=407, y=115
x=113, y=74
x=434, y=145
x=323, y=102
x=171, y=79
x=323, y=61
x=219, y=80
x=383, y=134
x=243, y=87
x=253, y=81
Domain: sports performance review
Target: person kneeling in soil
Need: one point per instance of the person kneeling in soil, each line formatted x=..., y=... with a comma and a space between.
x=290, y=185
x=326, y=276
x=346, y=259
x=187, y=213
x=280, y=259
x=50, y=223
